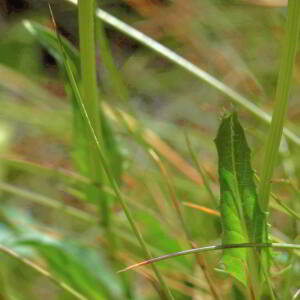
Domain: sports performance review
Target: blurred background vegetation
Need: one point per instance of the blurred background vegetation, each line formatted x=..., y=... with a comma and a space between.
x=46, y=214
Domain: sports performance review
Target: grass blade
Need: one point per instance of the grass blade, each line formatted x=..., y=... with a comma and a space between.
x=202, y=208
x=279, y=246
x=200, y=170
x=92, y=277
x=42, y=272
x=48, y=40
x=119, y=87
x=177, y=205
x=108, y=172
x=282, y=94
x=49, y=202
x=86, y=16
x=191, y=68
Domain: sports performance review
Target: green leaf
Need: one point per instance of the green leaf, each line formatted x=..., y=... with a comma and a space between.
x=48, y=40
x=80, y=154
x=242, y=218
x=84, y=269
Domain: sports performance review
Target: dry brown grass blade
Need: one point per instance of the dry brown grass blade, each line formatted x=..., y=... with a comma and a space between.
x=199, y=258
x=156, y=143
x=202, y=208
x=269, y=3
x=176, y=282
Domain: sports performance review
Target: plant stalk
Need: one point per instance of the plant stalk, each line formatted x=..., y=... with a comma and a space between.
x=282, y=94
x=89, y=92
x=164, y=288
x=281, y=102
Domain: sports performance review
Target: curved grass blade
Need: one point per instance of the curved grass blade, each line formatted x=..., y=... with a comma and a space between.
x=191, y=68
x=81, y=150
x=200, y=261
x=48, y=39
x=164, y=288
x=282, y=246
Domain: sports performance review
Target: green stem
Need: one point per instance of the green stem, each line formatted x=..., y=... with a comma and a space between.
x=86, y=10
x=86, y=14
x=277, y=246
x=166, y=291
x=282, y=93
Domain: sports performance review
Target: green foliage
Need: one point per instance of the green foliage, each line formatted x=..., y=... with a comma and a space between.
x=242, y=218
x=48, y=40
x=64, y=236
x=84, y=269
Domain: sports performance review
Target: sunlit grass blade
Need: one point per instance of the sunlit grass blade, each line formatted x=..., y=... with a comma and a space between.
x=295, y=296
x=48, y=39
x=191, y=68
x=108, y=172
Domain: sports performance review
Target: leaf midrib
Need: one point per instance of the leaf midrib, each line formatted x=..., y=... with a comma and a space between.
x=236, y=193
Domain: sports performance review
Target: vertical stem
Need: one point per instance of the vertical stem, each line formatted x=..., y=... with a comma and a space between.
x=282, y=93
x=166, y=293
x=86, y=14
x=86, y=11
x=281, y=101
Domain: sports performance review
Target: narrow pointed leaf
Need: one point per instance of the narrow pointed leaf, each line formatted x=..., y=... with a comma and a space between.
x=48, y=39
